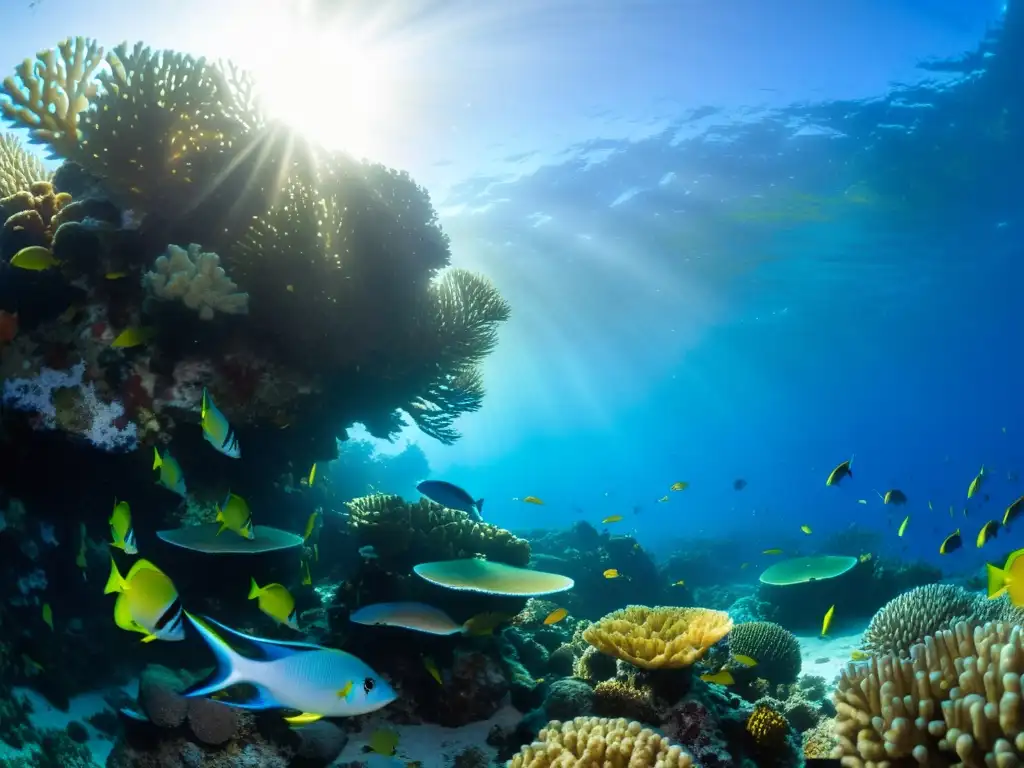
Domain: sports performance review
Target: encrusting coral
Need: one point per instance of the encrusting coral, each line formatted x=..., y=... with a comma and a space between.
x=593, y=741
x=658, y=638
x=956, y=701
x=908, y=618
x=19, y=168
x=427, y=531
x=197, y=280
x=775, y=649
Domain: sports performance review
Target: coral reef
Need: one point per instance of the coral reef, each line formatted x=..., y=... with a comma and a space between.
x=658, y=638
x=774, y=648
x=767, y=726
x=597, y=741
x=19, y=168
x=567, y=699
x=821, y=740
x=197, y=280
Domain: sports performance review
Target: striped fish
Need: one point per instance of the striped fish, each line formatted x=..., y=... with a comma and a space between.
x=217, y=430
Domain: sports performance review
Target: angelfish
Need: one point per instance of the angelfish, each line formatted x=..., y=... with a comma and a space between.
x=307, y=678
x=217, y=430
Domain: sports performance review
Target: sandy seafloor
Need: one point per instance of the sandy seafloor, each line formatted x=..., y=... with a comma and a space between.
x=430, y=745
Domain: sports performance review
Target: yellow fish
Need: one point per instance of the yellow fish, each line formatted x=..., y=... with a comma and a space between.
x=216, y=428
x=988, y=532
x=170, y=476
x=533, y=500
x=312, y=475
x=865, y=557
x=431, y=666
x=611, y=573
x=133, y=336
x=1013, y=511
x=311, y=524
x=680, y=486
x=612, y=519
x=951, y=543
x=80, y=560
x=147, y=602
x=841, y=471
x=663, y=499
x=895, y=496
x=806, y=529
x=121, y=531
x=975, y=485
x=556, y=616
x=722, y=677
x=1008, y=579
x=745, y=660
x=827, y=621
x=384, y=742
x=859, y=655
x=307, y=577
x=903, y=526
x=115, y=275
x=48, y=615
x=234, y=515
x=276, y=601
x=679, y=583
x=35, y=258
x=773, y=551
x=485, y=623
x=303, y=719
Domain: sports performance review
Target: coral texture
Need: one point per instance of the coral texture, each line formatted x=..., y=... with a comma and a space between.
x=596, y=741
x=767, y=726
x=197, y=280
x=774, y=647
x=19, y=168
x=658, y=638
x=955, y=701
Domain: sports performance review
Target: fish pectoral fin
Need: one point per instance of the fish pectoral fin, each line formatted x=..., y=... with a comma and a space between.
x=302, y=719
x=149, y=638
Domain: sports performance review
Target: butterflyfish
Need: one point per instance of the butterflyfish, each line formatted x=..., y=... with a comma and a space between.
x=35, y=258
x=612, y=519
x=859, y=655
x=1013, y=511
x=611, y=573
x=722, y=677
x=988, y=532
x=680, y=583
x=903, y=526
x=746, y=661
x=289, y=675
x=48, y=616
x=216, y=429
x=556, y=616
x=431, y=666
x=234, y=515
x=827, y=621
x=1009, y=579
x=170, y=476
x=121, y=531
x=951, y=543
x=276, y=601
x=806, y=529
x=147, y=602
x=383, y=741
x=680, y=486
x=133, y=336
x=452, y=496
x=841, y=471
x=975, y=485
x=894, y=496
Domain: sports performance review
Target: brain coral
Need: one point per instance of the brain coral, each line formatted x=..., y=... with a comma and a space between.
x=955, y=701
x=658, y=638
x=592, y=741
x=774, y=647
x=908, y=618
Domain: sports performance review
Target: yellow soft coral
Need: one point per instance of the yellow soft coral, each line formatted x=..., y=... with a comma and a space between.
x=767, y=726
x=658, y=638
x=600, y=742
x=19, y=168
x=47, y=94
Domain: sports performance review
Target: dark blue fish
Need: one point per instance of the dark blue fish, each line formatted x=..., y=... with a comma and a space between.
x=451, y=496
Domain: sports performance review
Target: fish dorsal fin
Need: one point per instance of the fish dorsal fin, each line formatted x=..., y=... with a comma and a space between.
x=269, y=649
x=140, y=565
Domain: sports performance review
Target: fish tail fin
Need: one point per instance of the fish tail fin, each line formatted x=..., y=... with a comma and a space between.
x=117, y=545
x=996, y=581
x=479, y=505
x=157, y=461
x=254, y=590
x=115, y=582
x=204, y=406
x=230, y=664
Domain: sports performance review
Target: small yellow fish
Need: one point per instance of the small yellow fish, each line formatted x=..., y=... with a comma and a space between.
x=539, y=680
x=806, y=529
x=859, y=655
x=612, y=519
x=533, y=500
x=722, y=677
x=170, y=476
x=1013, y=511
x=311, y=526
x=865, y=557
x=611, y=573
x=987, y=533
x=951, y=543
x=304, y=719
x=133, y=336
x=115, y=275
x=841, y=471
x=276, y=601
x=556, y=616
x=745, y=660
x=307, y=577
x=431, y=666
x=772, y=551
x=679, y=583
x=312, y=476
x=1008, y=579
x=903, y=526
x=35, y=258
x=680, y=486
x=827, y=622
x=48, y=615
x=234, y=515
x=975, y=485
x=663, y=499
x=344, y=692
x=384, y=742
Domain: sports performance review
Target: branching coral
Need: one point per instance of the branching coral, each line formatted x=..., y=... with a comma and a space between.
x=198, y=280
x=658, y=638
x=427, y=531
x=774, y=648
x=908, y=618
x=593, y=741
x=955, y=701
x=19, y=168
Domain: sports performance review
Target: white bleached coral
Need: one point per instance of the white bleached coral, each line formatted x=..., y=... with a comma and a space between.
x=198, y=280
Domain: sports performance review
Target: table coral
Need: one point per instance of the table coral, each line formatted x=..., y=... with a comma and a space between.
x=596, y=741
x=197, y=280
x=658, y=638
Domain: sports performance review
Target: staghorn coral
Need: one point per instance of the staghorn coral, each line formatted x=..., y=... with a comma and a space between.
x=955, y=701
x=425, y=531
x=19, y=168
x=774, y=647
x=197, y=280
x=596, y=741
x=767, y=726
x=908, y=618
x=658, y=638
x=48, y=94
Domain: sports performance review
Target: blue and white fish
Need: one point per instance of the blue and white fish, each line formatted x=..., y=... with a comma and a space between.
x=217, y=430
x=314, y=680
x=453, y=497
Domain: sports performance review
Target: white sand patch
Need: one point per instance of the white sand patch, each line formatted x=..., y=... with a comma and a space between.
x=827, y=656
x=430, y=745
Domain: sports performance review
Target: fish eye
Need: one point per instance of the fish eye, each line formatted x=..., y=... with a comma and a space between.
x=368, y=684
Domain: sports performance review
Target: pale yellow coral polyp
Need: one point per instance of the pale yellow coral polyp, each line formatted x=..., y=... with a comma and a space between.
x=19, y=168
x=597, y=742
x=658, y=638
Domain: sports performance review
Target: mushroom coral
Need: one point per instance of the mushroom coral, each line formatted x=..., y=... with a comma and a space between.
x=658, y=638
x=600, y=742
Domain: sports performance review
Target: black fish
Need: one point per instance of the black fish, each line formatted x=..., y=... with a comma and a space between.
x=951, y=543
x=739, y=484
